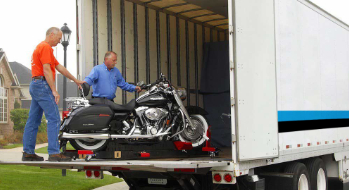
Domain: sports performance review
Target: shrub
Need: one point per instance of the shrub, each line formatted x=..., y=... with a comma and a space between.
x=41, y=138
x=15, y=137
x=17, y=105
x=20, y=116
x=3, y=142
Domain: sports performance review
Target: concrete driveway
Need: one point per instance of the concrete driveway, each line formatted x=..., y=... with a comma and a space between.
x=15, y=154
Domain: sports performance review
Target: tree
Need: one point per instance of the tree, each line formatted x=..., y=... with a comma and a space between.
x=20, y=116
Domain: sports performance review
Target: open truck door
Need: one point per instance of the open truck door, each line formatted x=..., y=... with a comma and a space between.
x=255, y=79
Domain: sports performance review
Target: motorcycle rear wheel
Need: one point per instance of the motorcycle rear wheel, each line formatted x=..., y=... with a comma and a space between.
x=89, y=144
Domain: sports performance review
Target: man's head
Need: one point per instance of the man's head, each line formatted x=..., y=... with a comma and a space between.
x=53, y=36
x=110, y=59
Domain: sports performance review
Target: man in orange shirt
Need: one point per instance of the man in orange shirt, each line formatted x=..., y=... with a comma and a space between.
x=45, y=99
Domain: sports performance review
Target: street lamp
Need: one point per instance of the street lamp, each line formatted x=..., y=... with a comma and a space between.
x=65, y=42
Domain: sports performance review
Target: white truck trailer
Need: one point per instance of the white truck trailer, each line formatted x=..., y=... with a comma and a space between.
x=289, y=87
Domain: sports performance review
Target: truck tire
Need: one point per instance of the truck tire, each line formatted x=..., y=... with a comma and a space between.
x=205, y=181
x=301, y=179
x=318, y=174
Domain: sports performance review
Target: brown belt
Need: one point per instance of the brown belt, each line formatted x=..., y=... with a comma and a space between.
x=39, y=77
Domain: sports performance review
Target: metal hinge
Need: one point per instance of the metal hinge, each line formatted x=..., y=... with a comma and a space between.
x=233, y=138
x=231, y=29
x=232, y=101
x=232, y=66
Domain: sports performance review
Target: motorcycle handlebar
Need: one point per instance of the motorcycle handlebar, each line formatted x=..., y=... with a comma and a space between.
x=146, y=86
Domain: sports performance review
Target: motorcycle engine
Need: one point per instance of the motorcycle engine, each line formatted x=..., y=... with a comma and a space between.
x=155, y=114
x=152, y=118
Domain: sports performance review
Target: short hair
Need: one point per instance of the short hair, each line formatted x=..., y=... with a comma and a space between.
x=109, y=53
x=55, y=30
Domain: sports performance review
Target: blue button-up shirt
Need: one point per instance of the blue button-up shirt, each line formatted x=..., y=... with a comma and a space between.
x=104, y=82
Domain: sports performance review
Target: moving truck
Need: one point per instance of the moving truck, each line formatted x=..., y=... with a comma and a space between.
x=273, y=76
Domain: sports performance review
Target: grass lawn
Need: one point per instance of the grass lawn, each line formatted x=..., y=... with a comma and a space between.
x=12, y=146
x=43, y=150
x=28, y=177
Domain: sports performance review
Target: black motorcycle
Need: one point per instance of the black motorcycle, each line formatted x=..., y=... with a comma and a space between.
x=157, y=115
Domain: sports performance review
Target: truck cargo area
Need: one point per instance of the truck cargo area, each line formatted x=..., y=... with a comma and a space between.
x=272, y=75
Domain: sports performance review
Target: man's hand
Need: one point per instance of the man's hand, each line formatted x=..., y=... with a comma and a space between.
x=56, y=95
x=138, y=88
x=79, y=83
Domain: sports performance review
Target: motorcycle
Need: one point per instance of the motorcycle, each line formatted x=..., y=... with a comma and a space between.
x=157, y=115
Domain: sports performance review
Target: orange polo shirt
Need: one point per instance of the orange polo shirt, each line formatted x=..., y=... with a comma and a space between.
x=43, y=54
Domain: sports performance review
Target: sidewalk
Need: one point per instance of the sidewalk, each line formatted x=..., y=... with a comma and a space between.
x=15, y=155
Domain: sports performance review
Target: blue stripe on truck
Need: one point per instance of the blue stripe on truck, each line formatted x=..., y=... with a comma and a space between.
x=311, y=115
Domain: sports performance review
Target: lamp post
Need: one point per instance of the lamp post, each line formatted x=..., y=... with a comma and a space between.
x=65, y=42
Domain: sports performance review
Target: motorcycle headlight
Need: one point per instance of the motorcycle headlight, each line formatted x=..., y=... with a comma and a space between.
x=182, y=93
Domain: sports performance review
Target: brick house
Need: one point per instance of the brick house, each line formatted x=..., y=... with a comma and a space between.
x=10, y=91
x=24, y=75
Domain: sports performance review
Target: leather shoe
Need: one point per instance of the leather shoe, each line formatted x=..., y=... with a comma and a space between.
x=59, y=158
x=31, y=157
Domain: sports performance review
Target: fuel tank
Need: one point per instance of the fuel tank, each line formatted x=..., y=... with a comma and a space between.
x=152, y=99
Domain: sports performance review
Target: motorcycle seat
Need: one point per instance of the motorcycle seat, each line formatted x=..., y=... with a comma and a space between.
x=116, y=107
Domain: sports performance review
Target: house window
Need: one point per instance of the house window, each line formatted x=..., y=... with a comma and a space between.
x=3, y=102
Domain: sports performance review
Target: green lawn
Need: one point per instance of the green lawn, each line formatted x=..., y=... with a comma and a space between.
x=29, y=178
x=43, y=150
x=12, y=146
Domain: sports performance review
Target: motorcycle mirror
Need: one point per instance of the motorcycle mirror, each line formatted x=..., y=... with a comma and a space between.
x=140, y=83
x=85, y=89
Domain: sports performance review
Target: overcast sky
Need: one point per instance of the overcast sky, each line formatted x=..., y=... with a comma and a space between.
x=23, y=24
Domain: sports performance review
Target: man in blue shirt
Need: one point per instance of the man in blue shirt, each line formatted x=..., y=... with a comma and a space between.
x=105, y=79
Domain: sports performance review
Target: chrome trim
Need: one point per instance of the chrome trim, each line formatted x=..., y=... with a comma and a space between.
x=107, y=136
x=180, y=103
x=183, y=127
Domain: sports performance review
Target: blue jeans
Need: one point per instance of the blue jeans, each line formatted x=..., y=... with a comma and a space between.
x=42, y=101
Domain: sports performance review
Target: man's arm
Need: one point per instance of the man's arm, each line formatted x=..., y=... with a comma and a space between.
x=67, y=74
x=126, y=86
x=50, y=82
x=93, y=76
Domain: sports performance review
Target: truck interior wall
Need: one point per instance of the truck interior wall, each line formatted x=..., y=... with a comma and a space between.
x=153, y=53
x=86, y=42
x=102, y=30
x=116, y=33
x=192, y=63
x=173, y=39
x=183, y=55
x=163, y=43
x=130, y=74
x=116, y=41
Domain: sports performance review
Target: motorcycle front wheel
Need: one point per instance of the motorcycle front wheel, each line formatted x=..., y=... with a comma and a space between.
x=195, y=134
x=89, y=144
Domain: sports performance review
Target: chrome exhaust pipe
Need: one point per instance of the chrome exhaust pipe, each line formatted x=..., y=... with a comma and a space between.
x=107, y=136
x=84, y=136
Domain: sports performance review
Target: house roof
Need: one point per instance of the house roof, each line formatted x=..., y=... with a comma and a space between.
x=22, y=72
x=3, y=56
